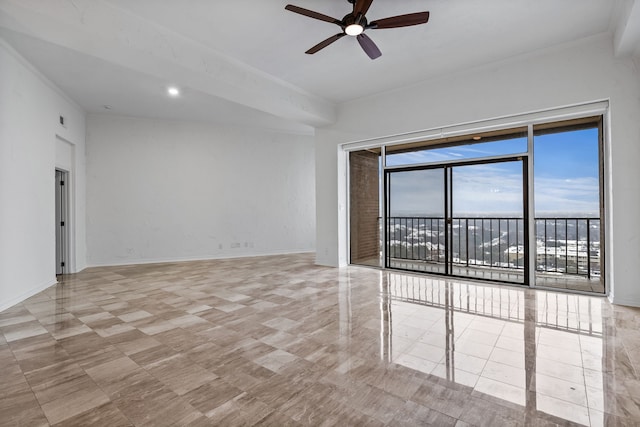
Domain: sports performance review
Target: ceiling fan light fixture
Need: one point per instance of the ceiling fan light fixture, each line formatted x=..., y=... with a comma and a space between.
x=355, y=23
x=354, y=30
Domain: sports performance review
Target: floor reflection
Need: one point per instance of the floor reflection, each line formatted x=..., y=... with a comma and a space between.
x=281, y=341
x=539, y=350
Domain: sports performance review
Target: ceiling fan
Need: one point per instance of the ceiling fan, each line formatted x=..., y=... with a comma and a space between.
x=355, y=23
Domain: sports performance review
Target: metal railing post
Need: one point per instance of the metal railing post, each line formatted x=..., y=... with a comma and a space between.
x=588, y=248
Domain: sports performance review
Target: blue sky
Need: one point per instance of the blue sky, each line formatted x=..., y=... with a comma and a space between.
x=565, y=171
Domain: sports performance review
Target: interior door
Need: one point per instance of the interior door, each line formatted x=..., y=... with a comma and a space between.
x=60, y=218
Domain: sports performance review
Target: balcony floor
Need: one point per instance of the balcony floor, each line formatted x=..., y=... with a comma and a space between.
x=543, y=279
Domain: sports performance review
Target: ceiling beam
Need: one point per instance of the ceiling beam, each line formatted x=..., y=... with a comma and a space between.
x=101, y=30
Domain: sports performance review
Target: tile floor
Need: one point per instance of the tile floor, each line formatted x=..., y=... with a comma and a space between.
x=279, y=341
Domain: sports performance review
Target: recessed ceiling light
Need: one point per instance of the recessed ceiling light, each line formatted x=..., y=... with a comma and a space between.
x=477, y=138
x=173, y=91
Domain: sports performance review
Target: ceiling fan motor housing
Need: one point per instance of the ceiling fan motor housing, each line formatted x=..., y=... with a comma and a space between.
x=350, y=20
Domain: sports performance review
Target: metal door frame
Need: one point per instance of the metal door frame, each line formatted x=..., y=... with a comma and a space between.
x=447, y=168
x=62, y=221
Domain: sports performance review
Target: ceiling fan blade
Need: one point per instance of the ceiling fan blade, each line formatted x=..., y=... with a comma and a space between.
x=312, y=14
x=369, y=46
x=360, y=7
x=325, y=43
x=400, y=21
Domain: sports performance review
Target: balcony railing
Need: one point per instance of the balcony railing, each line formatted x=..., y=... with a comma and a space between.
x=563, y=245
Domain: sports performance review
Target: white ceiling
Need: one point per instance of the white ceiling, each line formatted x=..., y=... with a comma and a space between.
x=243, y=61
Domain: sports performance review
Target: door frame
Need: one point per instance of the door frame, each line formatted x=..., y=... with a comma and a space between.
x=62, y=223
x=447, y=168
x=434, y=133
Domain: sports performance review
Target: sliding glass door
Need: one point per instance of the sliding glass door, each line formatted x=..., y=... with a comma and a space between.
x=416, y=218
x=463, y=219
x=488, y=233
x=520, y=205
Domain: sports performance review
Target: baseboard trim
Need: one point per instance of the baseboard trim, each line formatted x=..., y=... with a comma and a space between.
x=188, y=259
x=623, y=301
x=25, y=295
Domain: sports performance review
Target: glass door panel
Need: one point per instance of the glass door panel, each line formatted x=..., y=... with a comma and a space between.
x=568, y=200
x=416, y=226
x=465, y=219
x=487, y=223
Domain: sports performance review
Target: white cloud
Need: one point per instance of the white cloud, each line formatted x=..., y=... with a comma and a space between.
x=577, y=195
x=489, y=189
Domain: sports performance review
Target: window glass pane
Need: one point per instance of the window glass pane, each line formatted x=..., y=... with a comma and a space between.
x=488, y=229
x=469, y=149
x=566, y=171
x=416, y=222
x=567, y=208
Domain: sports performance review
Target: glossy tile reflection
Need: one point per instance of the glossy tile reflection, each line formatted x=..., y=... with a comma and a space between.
x=539, y=350
x=280, y=341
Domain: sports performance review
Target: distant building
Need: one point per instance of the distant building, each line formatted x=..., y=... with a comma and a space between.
x=572, y=256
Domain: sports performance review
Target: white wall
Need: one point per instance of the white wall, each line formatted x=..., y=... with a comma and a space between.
x=576, y=73
x=169, y=190
x=30, y=107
